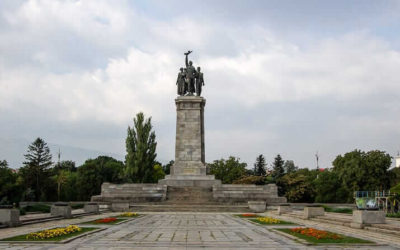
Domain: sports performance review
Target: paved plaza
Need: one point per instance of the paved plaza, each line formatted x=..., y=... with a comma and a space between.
x=171, y=231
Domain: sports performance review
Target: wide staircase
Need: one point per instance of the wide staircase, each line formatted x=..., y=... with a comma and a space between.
x=189, y=199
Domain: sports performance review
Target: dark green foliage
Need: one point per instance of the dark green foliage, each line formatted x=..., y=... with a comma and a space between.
x=393, y=215
x=64, y=165
x=141, y=151
x=289, y=167
x=36, y=172
x=43, y=208
x=228, y=170
x=10, y=190
x=77, y=206
x=395, y=189
x=158, y=173
x=167, y=167
x=360, y=171
x=298, y=186
x=394, y=174
x=328, y=187
x=277, y=168
x=94, y=172
x=259, y=166
x=337, y=210
x=257, y=180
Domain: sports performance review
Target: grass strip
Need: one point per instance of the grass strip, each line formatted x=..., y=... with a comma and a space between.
x=58, y=238
x=310, y=239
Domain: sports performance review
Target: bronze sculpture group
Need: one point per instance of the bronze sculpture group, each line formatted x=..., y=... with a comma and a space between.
x=189, y=80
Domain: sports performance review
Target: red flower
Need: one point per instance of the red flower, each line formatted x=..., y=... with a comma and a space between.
x=318, y=234
x=106, y=220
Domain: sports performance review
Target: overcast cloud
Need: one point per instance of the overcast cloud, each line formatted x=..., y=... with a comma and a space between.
x=281, y=76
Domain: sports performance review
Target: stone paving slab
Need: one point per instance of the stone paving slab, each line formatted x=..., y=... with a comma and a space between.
x=171, y=231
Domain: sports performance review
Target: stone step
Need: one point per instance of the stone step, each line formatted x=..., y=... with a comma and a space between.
x=188, y=208
x=381, y=230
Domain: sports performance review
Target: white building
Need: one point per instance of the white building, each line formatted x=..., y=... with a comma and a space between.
x=397, y=161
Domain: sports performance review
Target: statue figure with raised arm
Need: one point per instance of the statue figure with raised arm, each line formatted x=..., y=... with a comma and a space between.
x=190, y=74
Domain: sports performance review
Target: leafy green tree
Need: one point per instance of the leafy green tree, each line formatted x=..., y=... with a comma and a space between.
x=61, y=179
x=141, y=151
x=96, y=171
x=298, y=186
x=277, y=168
x=394, y=174
x=70, y=190
x=64, y=165
x=36, y=172
x=10, y=190
x=289, y=167
x=158, y=173
x=228, y=170
x=167, y=167
x=252, y=179
x=259, y=166
x=328, y=188
x=359, y=171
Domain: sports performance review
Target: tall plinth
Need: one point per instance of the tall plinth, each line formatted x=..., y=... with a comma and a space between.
x=189, y=168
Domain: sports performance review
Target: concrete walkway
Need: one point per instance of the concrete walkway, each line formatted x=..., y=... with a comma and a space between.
x=169, y=231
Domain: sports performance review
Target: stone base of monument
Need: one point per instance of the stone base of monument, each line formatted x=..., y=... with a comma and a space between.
x=257, y=206
x=189, y=181
x=232, y=193
x=363, y=218
x=142, y=192
x=9, y=216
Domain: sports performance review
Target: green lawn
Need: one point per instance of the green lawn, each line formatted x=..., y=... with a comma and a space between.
x=93, y=222
x=281, y=222
x=343, y=240
x=395, y=215
x=59, y=238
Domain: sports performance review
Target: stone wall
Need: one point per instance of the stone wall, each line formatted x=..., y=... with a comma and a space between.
x=232, y=193
x=142, y=192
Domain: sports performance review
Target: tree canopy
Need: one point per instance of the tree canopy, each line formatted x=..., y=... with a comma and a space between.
x=228, y=170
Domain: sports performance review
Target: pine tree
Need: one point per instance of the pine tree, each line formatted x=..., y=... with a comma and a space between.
x=141, y=150
x=277, y=167
x=259, y=166
x=37, y=164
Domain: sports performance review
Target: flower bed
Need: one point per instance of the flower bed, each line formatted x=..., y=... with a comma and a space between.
x=269, y=221
x=316, y=236
x=55, y=234
x=128, y=214
x=247, y=215
x=107, y=221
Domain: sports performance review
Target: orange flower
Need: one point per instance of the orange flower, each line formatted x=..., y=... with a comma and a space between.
x=318, y=234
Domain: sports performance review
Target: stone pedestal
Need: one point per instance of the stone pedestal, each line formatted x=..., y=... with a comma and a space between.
x=284, y=209
x=257, y=206
x=91, y=207
x=61, y=209
x=9, y=217
x=189, y=168
x=310, y=212
x=367, y=217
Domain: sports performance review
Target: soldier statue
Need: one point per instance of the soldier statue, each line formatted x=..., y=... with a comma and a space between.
x=180, y=82
x=199, y=81
x=190, y=74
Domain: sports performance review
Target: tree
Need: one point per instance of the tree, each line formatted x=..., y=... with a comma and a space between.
x=298, y=186
x=10, y=190
x=64, y=165
x=259, y=166
x=289, y=167
x=36, y=170
x=228, y=170
x=158, y=173
x=360, y=171
x=328, y=188
x=277, y=168
x=96, y=171
x=167, y=167
x=61, y=179
x=141, y=150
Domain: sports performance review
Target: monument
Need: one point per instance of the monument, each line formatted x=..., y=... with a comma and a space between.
x=188, y=176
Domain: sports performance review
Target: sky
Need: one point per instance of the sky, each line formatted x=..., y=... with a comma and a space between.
x=281, y=77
